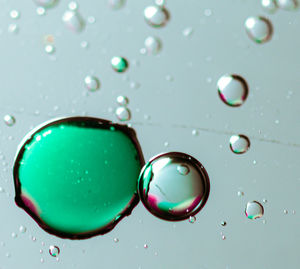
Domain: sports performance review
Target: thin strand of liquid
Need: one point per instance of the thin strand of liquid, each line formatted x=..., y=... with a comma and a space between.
x=259, y=29
x=173, y=186
x=233, y=90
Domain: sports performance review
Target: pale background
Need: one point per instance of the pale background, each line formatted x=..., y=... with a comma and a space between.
x=36, y=87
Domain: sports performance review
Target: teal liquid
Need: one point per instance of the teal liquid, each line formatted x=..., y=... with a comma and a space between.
x=77, y=177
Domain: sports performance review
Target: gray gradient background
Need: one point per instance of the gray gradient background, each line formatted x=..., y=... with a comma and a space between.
x=36, y=87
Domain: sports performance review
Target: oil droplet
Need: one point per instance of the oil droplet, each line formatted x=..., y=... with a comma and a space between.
x=259, y=29
x=168, y=194
x=269, y=6
x=116, y=4
x=289, y=5
x=119, y=64
x=123, y=113
x=232, y=89
x=73, y=20
x=153, y=45
x=14, y=14
x=92, y=83
x=239, y=144
x=183, y=169
x=254, y=210
x=54, y=251
x=50, y=173
x=122, y=100
x=9, y=120
x=192, y=219
x=46, y=3
x=156, y=16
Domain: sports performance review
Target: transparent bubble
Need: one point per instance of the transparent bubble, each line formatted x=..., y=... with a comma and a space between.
x=119, y=64
x=254, y=210
x=269, y=6
x=46, y=3
x=170, y=193
x=123, y=113
x=92, y=83
x=156, y=16
x=54, y=251
x=116, y=4
x=9, y=120
x=288, y=5
x=122, y=100
x=73, y=20
x=232, y=89
x=259, y=29
x=153, y=45
x=239, y=143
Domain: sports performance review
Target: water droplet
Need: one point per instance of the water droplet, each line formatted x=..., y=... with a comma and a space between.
x=122, y=100
x=223, y=237
x=41, y=11
x=119, y=64
x=112, y=158
x=46, y=3
x=269, y=6
x=14, y=14
x=13, y=28
x=232, y=89
x=285, y=212
x=92, y=83
x=41, y=251
x=73, y=21
x=195, y=132
x=116, y=240
x=156, y=16
x=239, y=143
x=153, y=45
x=192, y=219
x=123, y=113
x=169, y=195
x=22, y=229
x=54, y=251
x=9, y=120
x=259, y=29
x=145, y=246
x=254, y=210
x=187, y=31
x=289, y=5
x=183, y=169
x=116, y=4
x=50, y=49
x=13, y=235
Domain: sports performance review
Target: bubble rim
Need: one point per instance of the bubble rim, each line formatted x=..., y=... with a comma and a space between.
x=95, y=123
x=206, y=183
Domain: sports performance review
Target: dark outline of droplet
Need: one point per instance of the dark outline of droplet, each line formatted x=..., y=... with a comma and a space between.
x=243, y=81
x=92, y=123
x=201, y=170
x=246, y=138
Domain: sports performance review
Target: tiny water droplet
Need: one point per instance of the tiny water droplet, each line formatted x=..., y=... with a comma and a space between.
x=46, y=3
x=42, y=260
x=223, y=237
x=265, y=200
x=207, y=12
x=188, y=31
x=92, y=83
x=9, y=120
x=232, y=89
x=116, y=4
x=123, y=113
x=195, y=132
x=239, y=144
x=254, y=210
x=156, y=16
x=14, y=14
x=153, y=45
x=145, y=246
x=116, y=240
x=73, y=20
x=84, y=44
x=13, y=28
x=119, y=64
x=40, y=11
x=259, y=29
x=269, y=6
x=183, y=169
x=50, y=49
x=73, y=6
x=54, y=251
x=192, y=219
x=91, y=19
x=288, y=5
x=41, y=251
x=285, y=212
x=122, y=100
x=13, y=235
x=22, y=229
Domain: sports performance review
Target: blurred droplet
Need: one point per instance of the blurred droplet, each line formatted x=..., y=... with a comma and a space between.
x=40, y=11
x=46, y=3
x=259, y=29
x=156, y=16
x=269, y=6
x=232, y=89
x=116, y=240
x=14, y=14
x=9, y=120
x=254, y=210
x=73, y=6
x=239, y=144
x=13, y=28
x=73, y=21
x=92, y=83
x=288, y=5
x=153, y=45
x=116, y=4
x=192, y=219
x=119, y=64
x=122, y=100
x=49, y=49
x=22, y=229
x=187, y=31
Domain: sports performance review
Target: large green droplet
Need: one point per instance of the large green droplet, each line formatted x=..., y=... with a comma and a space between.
x=77, y=177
